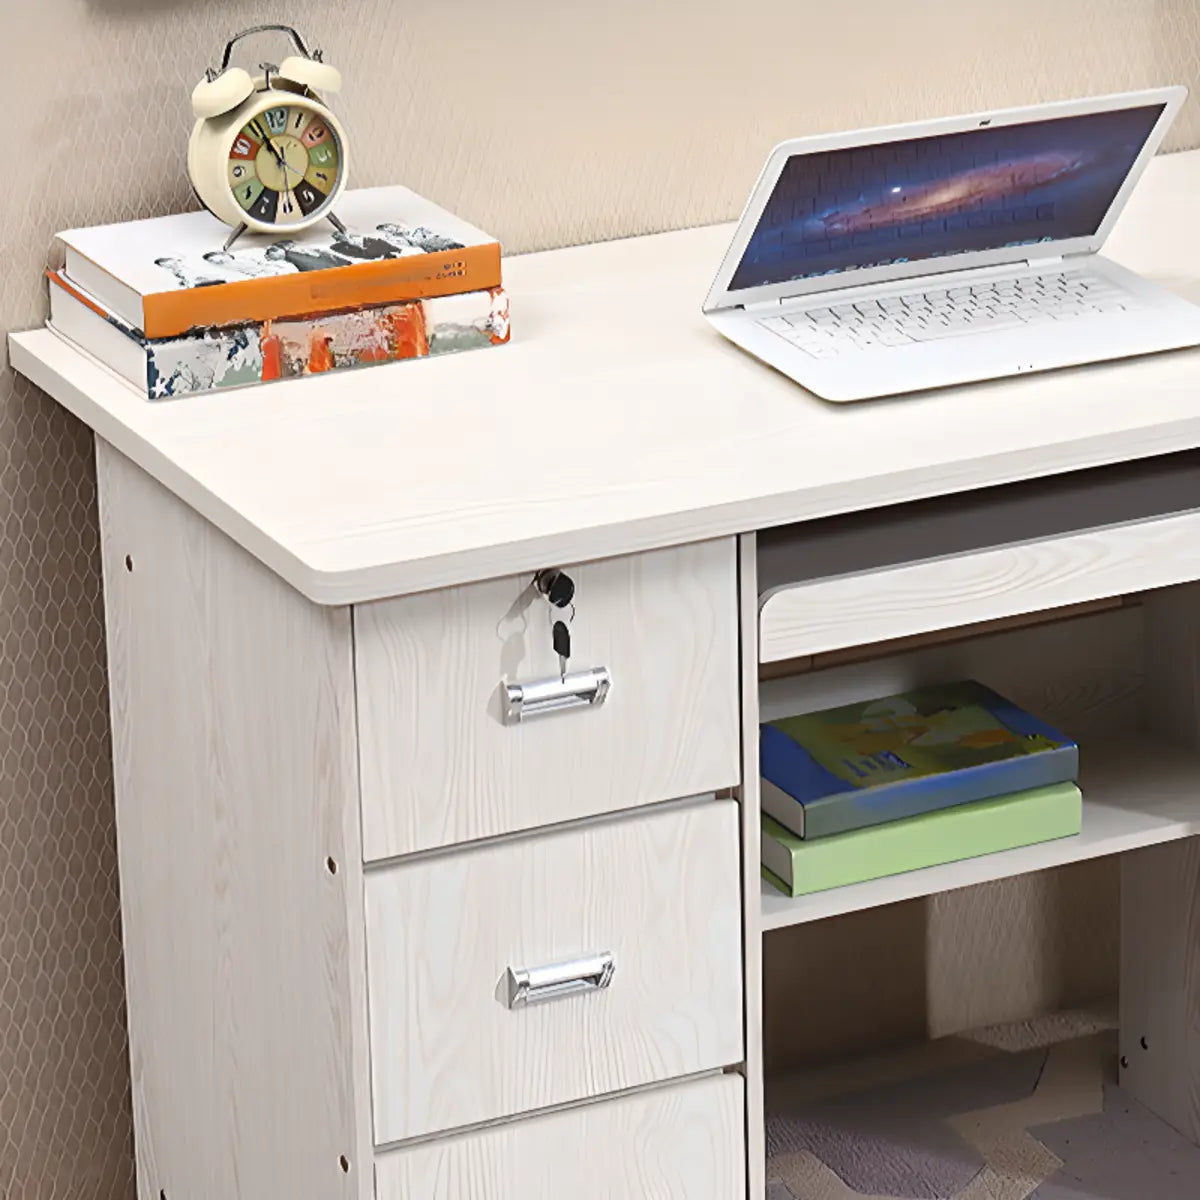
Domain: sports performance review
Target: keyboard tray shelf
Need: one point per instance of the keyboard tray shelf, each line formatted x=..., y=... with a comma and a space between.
x=980, y=556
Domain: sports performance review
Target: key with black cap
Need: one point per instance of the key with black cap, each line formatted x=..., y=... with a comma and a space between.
x=560, y=635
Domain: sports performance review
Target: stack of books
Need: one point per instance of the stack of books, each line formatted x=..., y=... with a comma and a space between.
x=927, y=777
x=164, y=306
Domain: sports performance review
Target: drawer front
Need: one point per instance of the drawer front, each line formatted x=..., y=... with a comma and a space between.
x=908, y=599
x=685, y=1142
x=441, y=766
x=659, y=892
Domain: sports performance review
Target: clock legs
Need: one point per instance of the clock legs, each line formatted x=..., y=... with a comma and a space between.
x=238, y=230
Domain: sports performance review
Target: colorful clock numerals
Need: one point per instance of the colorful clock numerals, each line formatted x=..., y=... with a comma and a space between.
x=264, y=208
x=324, y=155
x=321, y=178
x=316, y=132
x=284, y=165
x=308, y=197
x=246, y=193
x=244, y=146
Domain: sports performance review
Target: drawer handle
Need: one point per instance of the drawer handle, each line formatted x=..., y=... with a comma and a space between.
x=535, y=985
x=583, y=689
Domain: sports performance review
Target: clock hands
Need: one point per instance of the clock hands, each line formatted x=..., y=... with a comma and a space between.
x=281, y=159
x=274, y=150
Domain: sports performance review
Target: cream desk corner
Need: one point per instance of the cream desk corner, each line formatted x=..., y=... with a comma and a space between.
x=391, y=928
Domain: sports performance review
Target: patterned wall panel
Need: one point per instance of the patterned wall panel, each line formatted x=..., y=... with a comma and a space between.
x=548, y=123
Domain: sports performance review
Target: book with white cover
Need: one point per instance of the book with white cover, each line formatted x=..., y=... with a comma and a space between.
x=260, y=352
x=166, y=276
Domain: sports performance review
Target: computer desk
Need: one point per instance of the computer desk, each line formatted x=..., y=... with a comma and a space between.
x=382, y=937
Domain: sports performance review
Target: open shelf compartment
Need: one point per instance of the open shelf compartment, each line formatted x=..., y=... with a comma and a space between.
x=1089, y=617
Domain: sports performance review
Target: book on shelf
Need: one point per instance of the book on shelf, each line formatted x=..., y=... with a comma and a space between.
x=262, y=351
x=801, y=866
x=167, y=276
x=932, y=748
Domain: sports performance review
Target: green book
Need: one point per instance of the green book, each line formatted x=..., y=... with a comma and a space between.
x=798, y=866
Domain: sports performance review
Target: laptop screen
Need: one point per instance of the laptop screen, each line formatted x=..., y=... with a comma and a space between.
x=984, y=189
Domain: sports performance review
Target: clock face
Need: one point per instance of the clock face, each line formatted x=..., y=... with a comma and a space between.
x=284, y=165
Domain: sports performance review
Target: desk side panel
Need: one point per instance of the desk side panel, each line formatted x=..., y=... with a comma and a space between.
x=1160, y=895
x=748, y=795
x=232, y=701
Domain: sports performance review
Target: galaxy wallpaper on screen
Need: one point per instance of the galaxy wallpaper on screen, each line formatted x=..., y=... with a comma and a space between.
x=926, y=197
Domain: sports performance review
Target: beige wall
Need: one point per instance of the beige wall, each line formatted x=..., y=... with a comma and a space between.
x=548, y=122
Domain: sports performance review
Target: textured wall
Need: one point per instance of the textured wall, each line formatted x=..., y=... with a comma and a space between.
x=545, y=121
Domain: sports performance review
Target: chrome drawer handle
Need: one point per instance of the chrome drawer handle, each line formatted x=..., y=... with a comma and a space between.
x=582, y=689
x=535, y=985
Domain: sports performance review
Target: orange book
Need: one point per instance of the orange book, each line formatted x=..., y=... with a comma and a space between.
x=287, y=348
x=168, y=276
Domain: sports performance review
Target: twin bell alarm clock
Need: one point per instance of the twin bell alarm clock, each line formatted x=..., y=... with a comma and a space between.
x=266, y=153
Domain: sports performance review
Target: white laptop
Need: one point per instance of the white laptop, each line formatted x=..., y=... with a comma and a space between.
x=916, y=256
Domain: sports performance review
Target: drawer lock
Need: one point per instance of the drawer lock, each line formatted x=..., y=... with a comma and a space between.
x=535, y=985
x=581, y=689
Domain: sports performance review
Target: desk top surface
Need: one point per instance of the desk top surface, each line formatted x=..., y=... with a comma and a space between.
x=617, y=420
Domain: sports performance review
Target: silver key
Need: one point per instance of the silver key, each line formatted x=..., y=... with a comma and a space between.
x=561, y=637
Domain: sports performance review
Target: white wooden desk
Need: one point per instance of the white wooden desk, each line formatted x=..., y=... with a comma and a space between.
x=337, y=858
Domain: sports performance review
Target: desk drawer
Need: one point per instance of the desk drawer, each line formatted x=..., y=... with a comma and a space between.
x=448, y=937
x=685, y=1142
x=439, y=764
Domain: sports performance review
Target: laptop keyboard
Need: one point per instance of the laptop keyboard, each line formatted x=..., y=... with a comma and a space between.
x=943, y=312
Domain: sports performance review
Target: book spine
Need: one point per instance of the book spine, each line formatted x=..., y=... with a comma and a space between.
x=862, y=808
x=367, y=285
x=785, y=809
x=261, y=353
x=226, y=358
x=800, y=868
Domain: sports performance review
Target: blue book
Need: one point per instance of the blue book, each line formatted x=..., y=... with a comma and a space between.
x=884, y=760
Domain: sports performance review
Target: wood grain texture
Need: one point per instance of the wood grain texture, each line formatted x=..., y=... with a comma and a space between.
x=683, y=1142
x=947, y=590
x=234, y=760
x=659, y=891
x=1160, y=982
x=440, y=767
x=935, y=637
x=748, y=795
x=676, y=435
x=507, y=156
x=1160, y=894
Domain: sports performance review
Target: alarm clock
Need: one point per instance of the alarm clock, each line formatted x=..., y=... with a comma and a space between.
x=266, y=153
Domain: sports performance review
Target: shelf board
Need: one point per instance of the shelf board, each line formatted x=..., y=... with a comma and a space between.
x=1135, y=793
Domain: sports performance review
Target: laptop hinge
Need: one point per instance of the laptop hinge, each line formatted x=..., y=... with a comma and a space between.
x=1053, y=260
x=764, y=305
